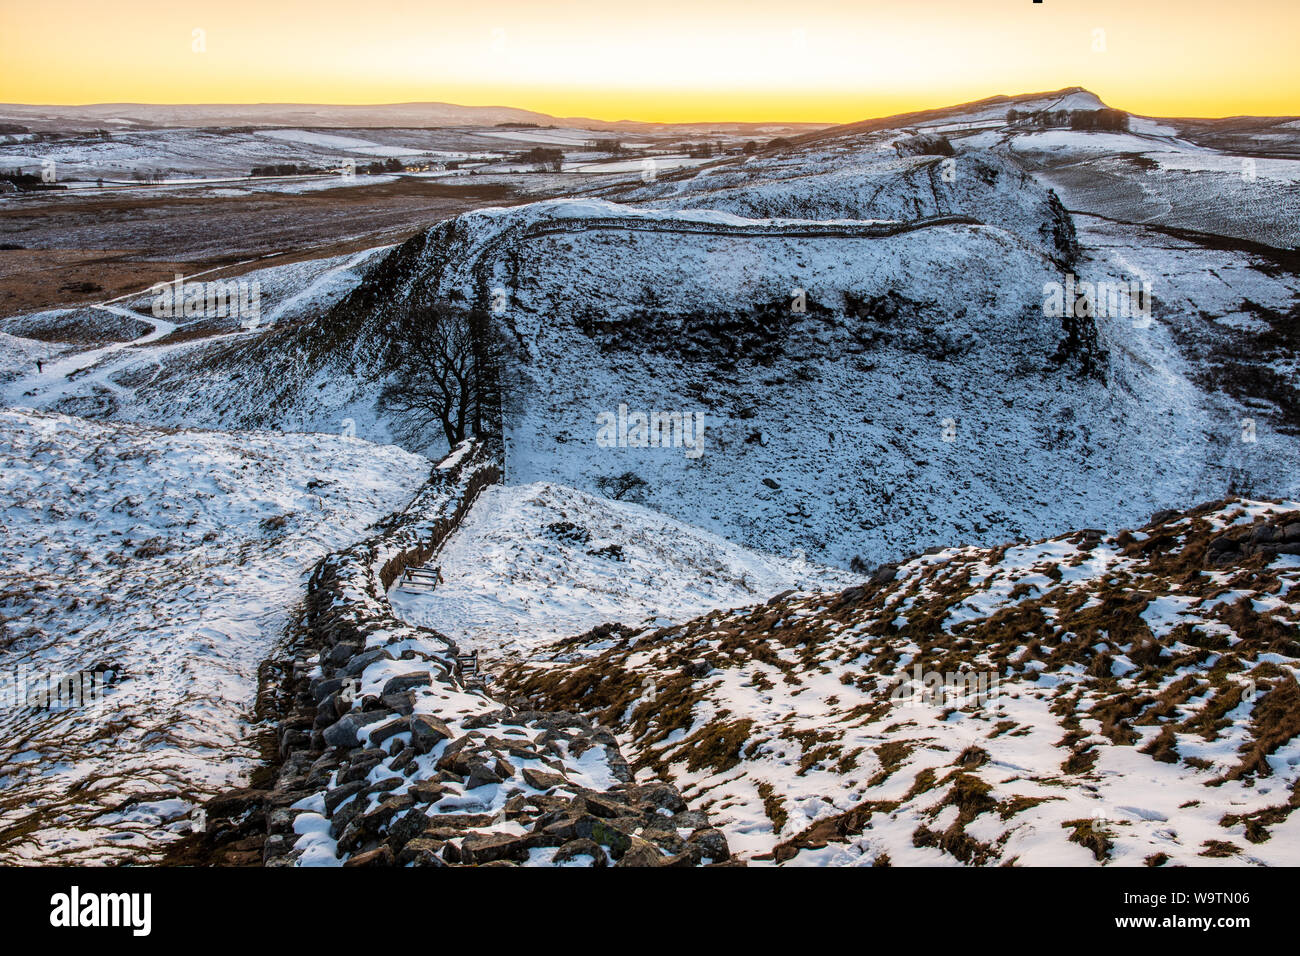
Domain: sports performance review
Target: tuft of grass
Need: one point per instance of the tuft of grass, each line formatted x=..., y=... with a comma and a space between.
x=1218, y=849
x=1274, y=721
x=1163, y=747
x=1088, y=835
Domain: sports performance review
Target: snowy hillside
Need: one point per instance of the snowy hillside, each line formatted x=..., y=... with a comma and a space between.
x=923, y=396
x=886, y=175
x=232, y=371
x=757, y=431
x=535, y=563
x=1120, y=699
x=170, y=564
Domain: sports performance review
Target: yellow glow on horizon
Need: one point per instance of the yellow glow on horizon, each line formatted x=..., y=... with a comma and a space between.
x=673, y=61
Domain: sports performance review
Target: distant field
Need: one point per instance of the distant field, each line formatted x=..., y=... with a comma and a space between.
x=1265, y=209
x=86, y=248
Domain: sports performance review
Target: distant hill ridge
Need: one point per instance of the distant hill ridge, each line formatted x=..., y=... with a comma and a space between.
x=436, y=114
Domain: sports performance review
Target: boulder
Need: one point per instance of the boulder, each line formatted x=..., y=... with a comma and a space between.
x=480, y=848
x=380, y=856
x=661, y=796
x=403, y=703
x=360, y=662
x=343, y=732
x=427, y=732
x=641, y=853
x=340, y=653
x=429, y=791
x=323, y=687
x=541, y=780
x=406, y=827
x=712, y=843
x=386, y=784
x=481, y=775
x=603, y=832
x=360, y=764
x=340, y=794
x=398, y=725
x=406, y=682
x=604, y=805
x=574, y=849
x=422, y=851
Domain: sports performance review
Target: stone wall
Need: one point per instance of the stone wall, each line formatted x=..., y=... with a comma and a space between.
x=389, y=754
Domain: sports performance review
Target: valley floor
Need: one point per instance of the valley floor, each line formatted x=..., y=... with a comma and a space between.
x=536, y=563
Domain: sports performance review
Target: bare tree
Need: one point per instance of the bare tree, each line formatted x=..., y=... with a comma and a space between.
x=435, y=377
x=617, y=486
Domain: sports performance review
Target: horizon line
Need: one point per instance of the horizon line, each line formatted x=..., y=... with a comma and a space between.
x=627, y=120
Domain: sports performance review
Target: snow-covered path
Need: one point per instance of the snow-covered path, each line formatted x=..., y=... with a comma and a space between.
x=56, y=379
x=72, y=373
x=312, y=290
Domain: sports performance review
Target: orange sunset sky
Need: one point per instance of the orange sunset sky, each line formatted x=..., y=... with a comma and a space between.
x=670, y=60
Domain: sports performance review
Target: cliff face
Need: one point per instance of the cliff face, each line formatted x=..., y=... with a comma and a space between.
x=867, y=388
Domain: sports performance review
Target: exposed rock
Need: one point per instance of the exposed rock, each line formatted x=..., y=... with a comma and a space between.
x=334, y=798
x=640, y=853
x=361, y=661
x=427, y=732
x=422, y=851
x=481, y=775
x=343, y=732
x=659, y=795
x=378, y=735
x=574, y=849
x=712, y=843
x=405, y=682
x=541, y=780
x=429, y=791
x=380, y=856
x=402, y=703
x=488, y=847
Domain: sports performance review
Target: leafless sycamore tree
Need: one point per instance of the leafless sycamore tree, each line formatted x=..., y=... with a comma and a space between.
x=436, y=378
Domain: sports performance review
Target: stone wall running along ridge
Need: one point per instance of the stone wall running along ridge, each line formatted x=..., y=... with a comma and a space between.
x=389, y=754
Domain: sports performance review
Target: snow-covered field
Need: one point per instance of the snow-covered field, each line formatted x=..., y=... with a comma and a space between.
x=170, y=561
x=1121, y=699
x=195, y=155
x=176, y=153
x=539, y=562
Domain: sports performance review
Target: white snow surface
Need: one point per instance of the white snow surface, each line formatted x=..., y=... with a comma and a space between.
x=810, y=707
x=539, y=562
x=173, y=560
x=834, y=442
